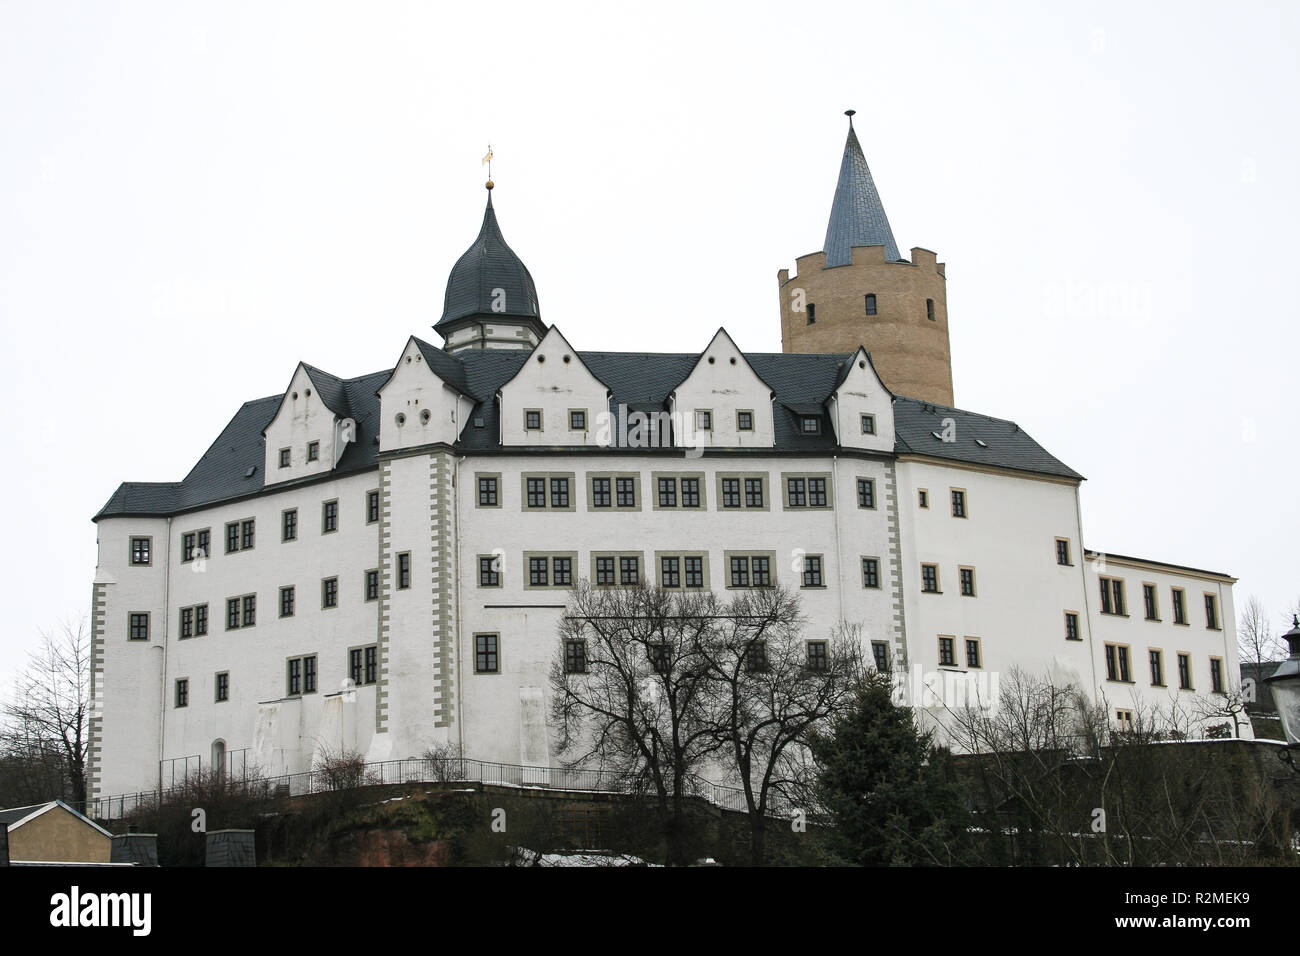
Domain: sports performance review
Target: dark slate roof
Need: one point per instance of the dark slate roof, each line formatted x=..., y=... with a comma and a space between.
x=331, y=389
x=641, y=380
x=486, y=265
x=11, y=816
x=857, y=215
x=1005, y=445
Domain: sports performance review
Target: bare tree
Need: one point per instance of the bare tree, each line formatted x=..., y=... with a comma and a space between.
x=48, y=721
x=1256, y=640
x=765, y=698
x=629, y=692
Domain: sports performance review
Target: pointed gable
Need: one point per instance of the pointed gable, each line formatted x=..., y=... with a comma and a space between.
x=554, y=398
x=861, y=407
x=311, y=429
x=723, y=402
x=425, y=400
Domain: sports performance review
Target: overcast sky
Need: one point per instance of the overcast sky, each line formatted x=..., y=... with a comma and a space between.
x=194, y=197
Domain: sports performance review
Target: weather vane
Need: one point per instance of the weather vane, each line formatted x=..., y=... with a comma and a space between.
x=487, y=161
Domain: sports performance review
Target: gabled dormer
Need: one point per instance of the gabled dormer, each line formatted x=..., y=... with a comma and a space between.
x=311, y=428
x=723, y=403
x=554, y=399
x=424, y=401
x=861, y=408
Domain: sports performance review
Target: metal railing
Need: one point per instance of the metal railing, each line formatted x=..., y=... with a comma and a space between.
x=411, y=771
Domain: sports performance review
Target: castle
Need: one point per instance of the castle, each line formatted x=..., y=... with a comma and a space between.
x=378, y=564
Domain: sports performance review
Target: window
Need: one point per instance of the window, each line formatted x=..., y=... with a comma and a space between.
x=744, y=421
x=182, y=692
x=693, y=570
x=1072, y=626
x=232, y=537
x=810, y=424
x=629, y=570
x=372, y=507
x=329, y=516
x=1180, y=609
x=240, y=535
x=575, y=657
x=1184, y=672
x=661, y=658
x=871, y=303
x=755, y=657
x=817, y=656
x=1117, y=663
x=1156, y=658
x=249, y=602
x=313, y=451
x=487, y=491
x=880, y=655
x=812, y=314
x=195, y=544
x=140, y=550
x=703, y=420
x=930, y=578
x=200, y=620
x=731, y=492
x=1149, y=602
x=222, y=689
x=536, y=490
x=286, y=601
x=138, y=627
x=284, y=457
x=751, y=571
x=947, y=652
x=533, y=419
x=760, y=572
x=929, y=309
x=871, y=572
x=329, y=592
x=967, y=576
x=489, y=572
x=812, y=571
x=868, y=424
x=487, y=657
x=1062, y=550
x=1216, y=675
x=973, y=656
x=301, y=675
x=605, y=572
x=289, y=525
x=372, y=585
x=363, y=664
x=187, y=622
x=805, y=492
x=578, y=420
x=404, y=570
x=690, y=492
x=958, y=503
x=1112, y=596
x=922, y=498
x=600, y=493
x=795, y=493
x=538, y=572
x=1211, y=612
x=1124, y=718
x=866, y=493
x=232, y=613
x=670, y=572
x=753, y=492
x=559, y=492
x=562, y=571
x=667, y=492
x=625, y=492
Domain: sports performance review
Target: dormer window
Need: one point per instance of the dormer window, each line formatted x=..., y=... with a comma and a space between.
x=313, y=451
x=871, y=303
x=533, y=419
x=810, y=425
x=868, y=424
x=284, y=457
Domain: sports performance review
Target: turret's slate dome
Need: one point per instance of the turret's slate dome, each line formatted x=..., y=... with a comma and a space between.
x=489, y=280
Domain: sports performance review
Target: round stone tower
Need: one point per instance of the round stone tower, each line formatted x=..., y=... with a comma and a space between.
x=859, y=291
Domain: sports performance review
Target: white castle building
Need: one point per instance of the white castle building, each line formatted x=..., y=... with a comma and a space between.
x=379, y=564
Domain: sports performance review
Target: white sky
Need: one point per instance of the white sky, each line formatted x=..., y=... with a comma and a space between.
x=195, y=196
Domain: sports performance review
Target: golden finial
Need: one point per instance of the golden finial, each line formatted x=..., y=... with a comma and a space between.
x=487, y=161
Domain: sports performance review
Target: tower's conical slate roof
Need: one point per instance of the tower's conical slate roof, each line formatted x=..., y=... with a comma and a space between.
x=488, y=265
x=857, y=215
